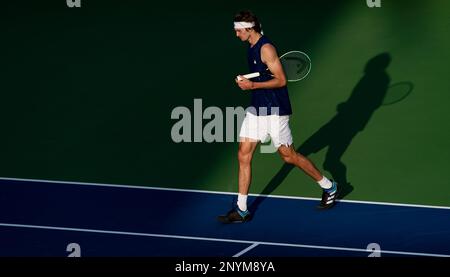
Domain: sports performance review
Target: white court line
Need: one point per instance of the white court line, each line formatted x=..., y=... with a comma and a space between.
x=214, y=239
x=245, y=250
x=220, y=192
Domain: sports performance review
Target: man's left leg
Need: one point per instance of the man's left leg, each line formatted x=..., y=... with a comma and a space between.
x=329, y=195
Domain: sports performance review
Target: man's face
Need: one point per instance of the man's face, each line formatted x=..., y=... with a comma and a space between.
x=243, y=34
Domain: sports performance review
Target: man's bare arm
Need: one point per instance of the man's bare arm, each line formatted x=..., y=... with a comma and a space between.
x=269, y=56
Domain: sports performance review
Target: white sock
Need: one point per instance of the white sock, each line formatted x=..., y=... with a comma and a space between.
x=242, y=202
x=325, y=183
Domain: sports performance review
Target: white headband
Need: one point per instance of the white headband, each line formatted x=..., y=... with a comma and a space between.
x=243, y=25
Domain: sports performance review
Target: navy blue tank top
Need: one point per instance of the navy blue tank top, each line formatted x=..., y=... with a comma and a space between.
x=264, y=100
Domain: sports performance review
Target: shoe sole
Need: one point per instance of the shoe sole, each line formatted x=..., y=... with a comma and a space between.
x=322, y=208
x=224, y=220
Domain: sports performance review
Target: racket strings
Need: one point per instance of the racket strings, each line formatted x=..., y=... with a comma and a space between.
x=296, y=65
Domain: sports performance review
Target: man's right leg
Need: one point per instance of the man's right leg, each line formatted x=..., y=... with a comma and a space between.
x=245, y=154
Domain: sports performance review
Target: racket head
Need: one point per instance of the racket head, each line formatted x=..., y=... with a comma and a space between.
x=397, y=92
x=296, y=65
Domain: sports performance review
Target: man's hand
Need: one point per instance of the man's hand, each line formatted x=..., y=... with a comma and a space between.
x=244, y=84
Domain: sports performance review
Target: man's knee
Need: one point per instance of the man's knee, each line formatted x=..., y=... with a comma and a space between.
x=288, y=155
x=244, y=157
x=245, y=153
x=288, y=159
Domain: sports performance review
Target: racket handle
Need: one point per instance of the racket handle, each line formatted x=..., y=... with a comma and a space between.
x=249, y=76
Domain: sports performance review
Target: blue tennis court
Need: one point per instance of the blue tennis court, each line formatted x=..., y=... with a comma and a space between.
x=50, y=218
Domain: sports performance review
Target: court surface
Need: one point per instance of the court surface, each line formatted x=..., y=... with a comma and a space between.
x=44, y=218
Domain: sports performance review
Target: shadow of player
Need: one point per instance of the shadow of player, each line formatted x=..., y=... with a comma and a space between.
x=337, y=134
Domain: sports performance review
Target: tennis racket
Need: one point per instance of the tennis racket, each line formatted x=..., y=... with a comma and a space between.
x=296, y=66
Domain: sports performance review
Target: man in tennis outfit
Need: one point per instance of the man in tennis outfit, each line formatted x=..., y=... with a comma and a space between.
x=267, y=117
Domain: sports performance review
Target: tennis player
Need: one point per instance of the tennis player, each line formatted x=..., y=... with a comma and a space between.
x=267, y=117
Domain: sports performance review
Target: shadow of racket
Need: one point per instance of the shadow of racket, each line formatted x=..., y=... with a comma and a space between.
x=397, y=92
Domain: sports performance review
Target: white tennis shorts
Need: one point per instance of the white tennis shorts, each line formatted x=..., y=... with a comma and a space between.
x=261, y=128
